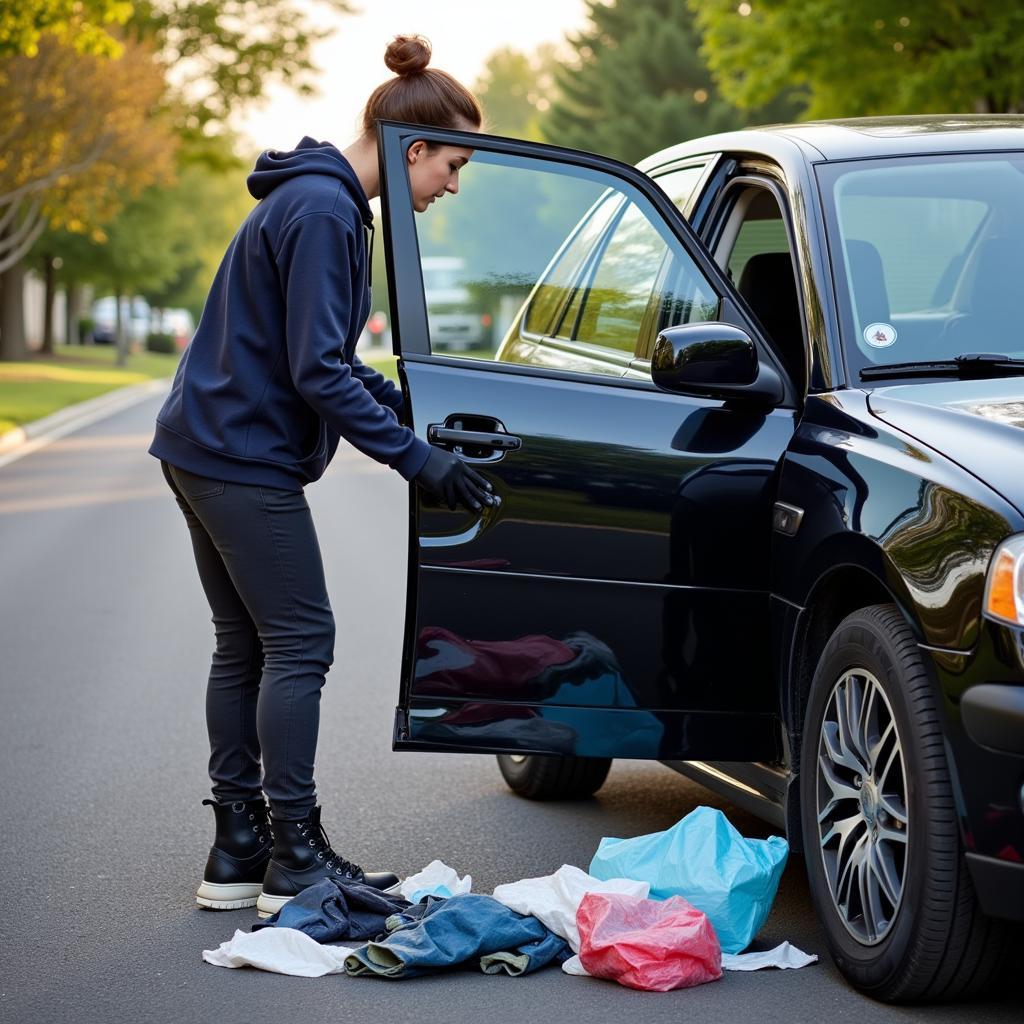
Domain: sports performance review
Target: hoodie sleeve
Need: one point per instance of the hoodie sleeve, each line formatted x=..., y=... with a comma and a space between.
x=315, y=261
x=383, y=390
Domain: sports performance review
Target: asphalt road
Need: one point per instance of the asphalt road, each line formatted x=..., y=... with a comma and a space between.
x=104, y=646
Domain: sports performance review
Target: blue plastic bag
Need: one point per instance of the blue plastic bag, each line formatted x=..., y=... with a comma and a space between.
x=706, y=861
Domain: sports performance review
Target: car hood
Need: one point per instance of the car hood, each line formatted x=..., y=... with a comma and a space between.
x=979, y=424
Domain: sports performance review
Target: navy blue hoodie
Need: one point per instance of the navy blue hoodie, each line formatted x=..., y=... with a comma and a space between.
x=271, y=380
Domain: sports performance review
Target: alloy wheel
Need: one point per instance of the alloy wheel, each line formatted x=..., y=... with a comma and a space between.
x=863, y=822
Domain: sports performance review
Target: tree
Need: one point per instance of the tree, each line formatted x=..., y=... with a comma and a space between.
x=77, y=133
x=77, y=23
x=513, y=89
x=207, y=206
x=863, y=57
x=79, y=136
x=73, y=146
x=166, y=244
x=638, y=83
x=220, y=54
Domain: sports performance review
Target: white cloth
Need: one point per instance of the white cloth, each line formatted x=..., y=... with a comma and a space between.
x=574, y=966
x=785, y=957
x=281, y=950
x=436, y=879
x=554, y=899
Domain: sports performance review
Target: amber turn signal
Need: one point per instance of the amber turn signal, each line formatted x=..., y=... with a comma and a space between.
x=1004, y=593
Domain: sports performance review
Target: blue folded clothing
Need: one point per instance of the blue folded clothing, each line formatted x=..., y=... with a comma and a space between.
x=454, y=932
x=330, y=911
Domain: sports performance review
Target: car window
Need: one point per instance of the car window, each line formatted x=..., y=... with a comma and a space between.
x=923, y=238
x=549, y=298
x=761, y=229
x=754, y=248
x=610, y=309
x=928, y=254
x=548, y=264
x=679, y=184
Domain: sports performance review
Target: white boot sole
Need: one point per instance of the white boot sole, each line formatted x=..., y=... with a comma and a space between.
x=267, y=905
x=228, y=897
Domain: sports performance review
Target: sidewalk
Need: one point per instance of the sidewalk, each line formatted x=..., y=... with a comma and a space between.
x=30, y=437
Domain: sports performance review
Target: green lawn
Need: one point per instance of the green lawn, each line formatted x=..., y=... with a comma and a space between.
x=41, y=385
x=386, y=364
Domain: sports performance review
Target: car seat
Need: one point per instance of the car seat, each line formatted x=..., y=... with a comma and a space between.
x=988, y=321
x=769, y=286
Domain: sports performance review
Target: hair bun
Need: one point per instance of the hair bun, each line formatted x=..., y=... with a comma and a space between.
x=407, y=55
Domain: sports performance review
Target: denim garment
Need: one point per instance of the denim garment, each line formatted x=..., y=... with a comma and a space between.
x=452, y=932
x=330, y=911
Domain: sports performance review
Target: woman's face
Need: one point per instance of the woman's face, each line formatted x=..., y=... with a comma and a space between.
x=432, y=172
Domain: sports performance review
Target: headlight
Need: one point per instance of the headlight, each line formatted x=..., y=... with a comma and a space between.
x=1004, y=588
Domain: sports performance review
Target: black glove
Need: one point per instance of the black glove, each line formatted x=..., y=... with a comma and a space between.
x=451, y=481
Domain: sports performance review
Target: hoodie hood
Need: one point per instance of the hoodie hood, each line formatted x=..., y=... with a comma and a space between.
x=310, y=157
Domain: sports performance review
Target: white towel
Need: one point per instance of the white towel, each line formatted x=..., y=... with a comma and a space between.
x=784, y=957
x=281, y=950
x=554, y=899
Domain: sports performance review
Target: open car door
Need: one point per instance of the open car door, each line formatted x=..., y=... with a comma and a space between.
x=615, y=603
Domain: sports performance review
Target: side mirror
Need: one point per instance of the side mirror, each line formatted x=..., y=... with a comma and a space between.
x=713, y=360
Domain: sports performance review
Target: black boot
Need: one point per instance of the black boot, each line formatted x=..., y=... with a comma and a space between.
x=238, y=858
x=302, y=856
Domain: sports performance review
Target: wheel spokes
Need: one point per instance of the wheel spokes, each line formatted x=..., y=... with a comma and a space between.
x=862, y=806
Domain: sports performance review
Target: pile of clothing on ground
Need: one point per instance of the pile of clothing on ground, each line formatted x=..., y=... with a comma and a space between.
x=657, y=912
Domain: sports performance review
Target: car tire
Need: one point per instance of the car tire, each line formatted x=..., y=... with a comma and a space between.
x=881, y=837
x=543, y=777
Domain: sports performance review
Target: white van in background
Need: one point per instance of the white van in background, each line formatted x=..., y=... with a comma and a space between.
x=451, y=319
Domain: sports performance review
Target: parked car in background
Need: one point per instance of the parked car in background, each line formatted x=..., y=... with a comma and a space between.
x=135, y=316
x=757, y=433
x=455, y=322
x=176, y=323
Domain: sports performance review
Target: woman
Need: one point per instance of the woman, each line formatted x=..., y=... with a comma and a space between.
x=265, y=389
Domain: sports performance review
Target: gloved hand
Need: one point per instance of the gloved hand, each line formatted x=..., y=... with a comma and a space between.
x=448, y=478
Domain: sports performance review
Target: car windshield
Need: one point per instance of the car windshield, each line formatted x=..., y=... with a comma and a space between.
x=928, y=256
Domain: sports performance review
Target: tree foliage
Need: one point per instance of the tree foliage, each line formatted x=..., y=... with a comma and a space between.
x=78, y=136
x=223, y=53
x=862, y=57
x=639, y=83
x=165, y=244
x=81, y=24
x=514, y=90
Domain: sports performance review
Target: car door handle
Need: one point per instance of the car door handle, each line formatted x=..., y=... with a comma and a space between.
x=475, y=438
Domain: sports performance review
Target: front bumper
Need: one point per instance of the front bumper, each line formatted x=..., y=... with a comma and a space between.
x=982, y=695
x=999, y=885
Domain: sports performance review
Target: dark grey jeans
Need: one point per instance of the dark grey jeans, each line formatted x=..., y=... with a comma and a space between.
x=260, y=565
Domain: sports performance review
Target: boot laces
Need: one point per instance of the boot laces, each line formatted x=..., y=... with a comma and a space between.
x=261, y=826
x=316, y=836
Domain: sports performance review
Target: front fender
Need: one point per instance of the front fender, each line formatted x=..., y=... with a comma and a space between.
x=877, y=500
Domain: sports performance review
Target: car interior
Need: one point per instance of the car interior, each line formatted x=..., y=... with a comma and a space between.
x=753, y=248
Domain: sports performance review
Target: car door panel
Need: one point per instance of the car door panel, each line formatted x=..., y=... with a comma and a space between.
x=615, y=603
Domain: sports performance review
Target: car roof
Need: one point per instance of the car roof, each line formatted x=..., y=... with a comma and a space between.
x=859, y=138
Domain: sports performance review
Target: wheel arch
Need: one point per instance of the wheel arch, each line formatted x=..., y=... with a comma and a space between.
x=835, y=593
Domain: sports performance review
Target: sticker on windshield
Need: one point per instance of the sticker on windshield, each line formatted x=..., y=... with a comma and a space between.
x=880, y=335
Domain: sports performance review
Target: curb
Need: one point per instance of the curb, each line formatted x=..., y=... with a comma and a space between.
x=32, y=436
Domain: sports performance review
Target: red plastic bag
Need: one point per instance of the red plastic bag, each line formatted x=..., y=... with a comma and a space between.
x=655, y=945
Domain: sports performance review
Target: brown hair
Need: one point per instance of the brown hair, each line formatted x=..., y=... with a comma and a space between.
x=419, y=95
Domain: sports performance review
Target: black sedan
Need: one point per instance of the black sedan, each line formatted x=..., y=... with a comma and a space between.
x=754, y=414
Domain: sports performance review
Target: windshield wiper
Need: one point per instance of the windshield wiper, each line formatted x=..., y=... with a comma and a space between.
x=967, y=364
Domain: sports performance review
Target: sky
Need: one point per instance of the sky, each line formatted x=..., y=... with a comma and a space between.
x=463, y=34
